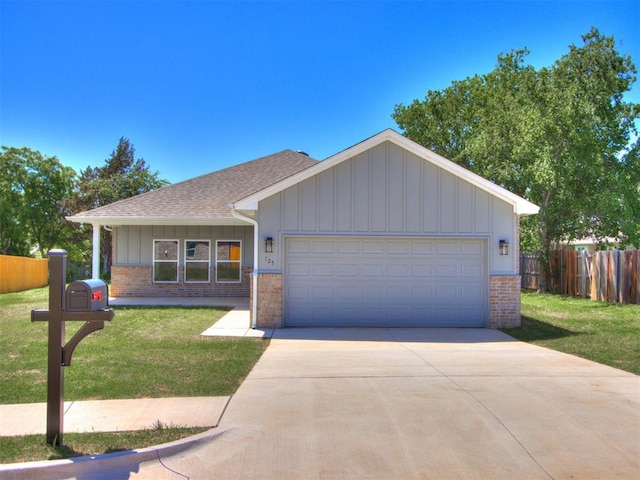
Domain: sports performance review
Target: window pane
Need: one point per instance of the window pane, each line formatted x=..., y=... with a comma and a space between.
x=198, y=250
x=228, y=272
x=196, y=272
x=229, y=251
x=165, y=250
x=165, y=272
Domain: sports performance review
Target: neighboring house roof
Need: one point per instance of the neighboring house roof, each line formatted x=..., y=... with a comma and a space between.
x=204, y=199
x=520, y=205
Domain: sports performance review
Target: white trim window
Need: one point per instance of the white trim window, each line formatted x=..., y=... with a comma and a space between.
x=165, y=261
x=197, y=261
x=228, y=261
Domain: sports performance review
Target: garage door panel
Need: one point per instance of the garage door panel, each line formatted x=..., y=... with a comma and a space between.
x=376, y=270
x=348, y=293
x=324, y=292
x=348, y=269
x=297, y=246
x=447, y=248
x=322, y=270
x=422, y=247
x=446, y=293
x=471, y=272
x=418, y=271
x=322, y=246
x=398, y=292
x=399, y=248
x=299, y=269
x=398, y=270
x=294, y=293
x=349, y=247
x=372, y=247
x=472, y=248
x=385, y=282
x=472, y=294
x=447, y=270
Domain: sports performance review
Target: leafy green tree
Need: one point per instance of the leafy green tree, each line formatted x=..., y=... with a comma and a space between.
x=122, y=176
x=34, y=191
x=558, y=136
x=13, y=233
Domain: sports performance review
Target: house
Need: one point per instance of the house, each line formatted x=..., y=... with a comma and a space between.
x=592, y=244
x=385, y=233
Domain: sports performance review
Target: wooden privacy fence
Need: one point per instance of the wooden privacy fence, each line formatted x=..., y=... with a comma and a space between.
x=609, y=276
x=22, y=273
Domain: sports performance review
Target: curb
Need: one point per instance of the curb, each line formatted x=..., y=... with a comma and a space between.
x=105, y=466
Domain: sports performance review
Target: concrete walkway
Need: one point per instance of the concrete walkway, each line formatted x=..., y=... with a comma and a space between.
x=236, y=323
x=402, y=404
x=115, y=415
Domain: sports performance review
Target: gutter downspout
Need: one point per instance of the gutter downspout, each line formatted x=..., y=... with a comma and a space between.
x=254, y=274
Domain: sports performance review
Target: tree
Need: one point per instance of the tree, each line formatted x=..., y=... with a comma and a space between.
x=122, y=176
x=13, y=234
x=32, y=199
x=558, y=136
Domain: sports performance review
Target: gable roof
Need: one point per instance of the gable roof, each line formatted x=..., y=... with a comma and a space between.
x=203, y=199
x=520, y=205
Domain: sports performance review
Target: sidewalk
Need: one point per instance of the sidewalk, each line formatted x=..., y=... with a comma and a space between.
x=115, y=415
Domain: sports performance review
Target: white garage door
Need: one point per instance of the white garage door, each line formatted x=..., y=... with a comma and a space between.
x=385, y=282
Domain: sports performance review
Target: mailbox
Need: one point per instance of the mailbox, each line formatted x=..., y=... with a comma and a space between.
x=87, y=296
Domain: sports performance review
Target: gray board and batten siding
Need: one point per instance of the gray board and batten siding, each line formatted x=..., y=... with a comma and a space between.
x=389, y=197
x=133, y=244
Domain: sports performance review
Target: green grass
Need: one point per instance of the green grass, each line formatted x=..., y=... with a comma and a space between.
x=144, y=352
x=33, y=447
x=607, y=333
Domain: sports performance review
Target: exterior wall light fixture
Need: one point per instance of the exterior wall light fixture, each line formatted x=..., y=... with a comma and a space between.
x=504, y=247
x=268, y=245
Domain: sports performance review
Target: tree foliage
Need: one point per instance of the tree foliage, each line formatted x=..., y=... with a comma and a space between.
x=33, y=191
x=559, y=136
x=38, y=192
x=122, y=176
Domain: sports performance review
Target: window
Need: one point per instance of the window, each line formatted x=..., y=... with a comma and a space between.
x=196, y=261
x=228, y=261
x=165, y=261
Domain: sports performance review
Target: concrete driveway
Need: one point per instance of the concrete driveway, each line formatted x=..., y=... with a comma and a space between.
x=414, y=403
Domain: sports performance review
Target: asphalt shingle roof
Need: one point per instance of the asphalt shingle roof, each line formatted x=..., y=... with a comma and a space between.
x=206, y=197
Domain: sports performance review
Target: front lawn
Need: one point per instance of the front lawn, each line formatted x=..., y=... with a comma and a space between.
x=607, y=333
x=144, y=352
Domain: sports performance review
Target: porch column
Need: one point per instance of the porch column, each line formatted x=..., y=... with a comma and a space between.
x=95, y=256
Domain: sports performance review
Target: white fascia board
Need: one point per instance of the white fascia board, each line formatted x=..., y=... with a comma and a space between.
x=520, y=205
x=156, y=221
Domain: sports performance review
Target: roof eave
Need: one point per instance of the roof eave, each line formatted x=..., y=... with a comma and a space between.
x=139, y=220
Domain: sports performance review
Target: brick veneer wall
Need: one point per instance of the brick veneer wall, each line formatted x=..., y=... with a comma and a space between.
x=504, y=301
x=137, y=281
x=269, y=311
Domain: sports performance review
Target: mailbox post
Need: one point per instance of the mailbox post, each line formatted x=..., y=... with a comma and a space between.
x=59, y=355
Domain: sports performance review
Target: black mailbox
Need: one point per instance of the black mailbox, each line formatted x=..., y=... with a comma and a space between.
x=87, y=296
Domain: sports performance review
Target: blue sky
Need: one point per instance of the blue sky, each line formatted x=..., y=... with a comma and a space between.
x=202, y=85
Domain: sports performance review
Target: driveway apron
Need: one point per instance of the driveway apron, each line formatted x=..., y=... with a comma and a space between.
x=418, y=403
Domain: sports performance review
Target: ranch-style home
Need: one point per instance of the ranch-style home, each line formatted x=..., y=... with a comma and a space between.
x=385, y=234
